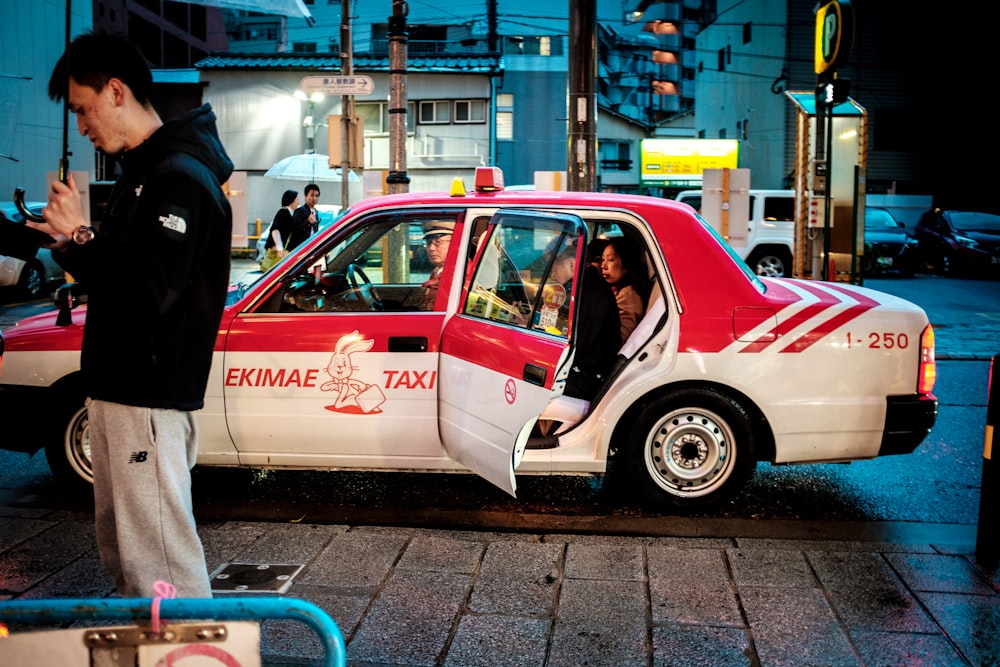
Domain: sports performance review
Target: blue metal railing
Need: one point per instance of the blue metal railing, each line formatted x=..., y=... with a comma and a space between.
x=234, y=609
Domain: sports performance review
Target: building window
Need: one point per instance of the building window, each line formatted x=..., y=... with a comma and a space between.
x=505, y=125
x=304, y=47
x=747, y=32
x=376, y=116
x=722, y=133
x=434, y=112
x=533, y=45
x=722, y=60
x=470, y=111
x=742, y=129
x=505, y=116
x=615, y=155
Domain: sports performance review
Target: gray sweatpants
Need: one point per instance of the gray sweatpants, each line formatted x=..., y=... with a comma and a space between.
x=142, y=498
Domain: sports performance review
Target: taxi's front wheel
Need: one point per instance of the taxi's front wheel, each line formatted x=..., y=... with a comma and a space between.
x=692, y=448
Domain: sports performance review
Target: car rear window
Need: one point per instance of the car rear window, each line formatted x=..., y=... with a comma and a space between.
x=747, y=271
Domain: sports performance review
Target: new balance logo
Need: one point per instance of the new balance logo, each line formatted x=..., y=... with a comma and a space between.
x=138, y=457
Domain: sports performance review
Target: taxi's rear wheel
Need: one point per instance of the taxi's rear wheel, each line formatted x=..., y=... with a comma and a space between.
x=692, y=448
x=69, y=453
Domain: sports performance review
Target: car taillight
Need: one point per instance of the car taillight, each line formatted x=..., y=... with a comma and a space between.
x=928, y=367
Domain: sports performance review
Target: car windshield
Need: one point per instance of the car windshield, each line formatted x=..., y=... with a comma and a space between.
x=976, y=222
x=879, y=218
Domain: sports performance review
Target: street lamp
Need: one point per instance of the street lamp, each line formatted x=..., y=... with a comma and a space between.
x=308, y=122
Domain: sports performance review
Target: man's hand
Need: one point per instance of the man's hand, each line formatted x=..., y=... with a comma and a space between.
x=63, y=214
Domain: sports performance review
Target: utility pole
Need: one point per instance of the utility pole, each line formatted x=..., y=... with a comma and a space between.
x=582, y=131
x=397, y=180
x=347, y=101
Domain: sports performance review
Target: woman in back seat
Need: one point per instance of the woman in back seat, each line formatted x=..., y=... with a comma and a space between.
x=620, y=264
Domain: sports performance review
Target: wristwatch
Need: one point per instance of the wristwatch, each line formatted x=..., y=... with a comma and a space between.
x=83, y=234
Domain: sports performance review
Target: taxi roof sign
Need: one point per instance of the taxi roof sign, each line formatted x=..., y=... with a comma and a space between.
x=489, y=179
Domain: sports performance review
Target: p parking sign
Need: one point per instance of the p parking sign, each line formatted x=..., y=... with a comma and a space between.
x=834, y=35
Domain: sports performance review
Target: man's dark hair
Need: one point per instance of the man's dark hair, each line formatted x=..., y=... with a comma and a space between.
x=94, y=58
x=311, y=187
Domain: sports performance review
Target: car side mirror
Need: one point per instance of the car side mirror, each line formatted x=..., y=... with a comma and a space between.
x=67, y=298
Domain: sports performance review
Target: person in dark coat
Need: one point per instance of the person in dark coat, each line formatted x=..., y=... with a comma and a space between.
x=282, y=222
x=598, y=328
x=156, y=270
x=305, y=220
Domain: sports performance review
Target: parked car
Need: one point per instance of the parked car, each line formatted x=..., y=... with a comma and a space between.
x=960, y=242
x=29, y=278
x=888, y=246
x=770, y=225
x=331, y=361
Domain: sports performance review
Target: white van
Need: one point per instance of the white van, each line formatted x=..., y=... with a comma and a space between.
x=770, y=229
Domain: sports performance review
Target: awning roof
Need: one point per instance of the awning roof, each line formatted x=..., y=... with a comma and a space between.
x=807, y=103
x=469, y=63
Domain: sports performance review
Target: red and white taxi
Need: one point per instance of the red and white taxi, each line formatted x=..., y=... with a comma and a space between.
x=334, y=361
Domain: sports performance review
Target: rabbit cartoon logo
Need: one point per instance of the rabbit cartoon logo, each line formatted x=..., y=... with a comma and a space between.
x=353, y=395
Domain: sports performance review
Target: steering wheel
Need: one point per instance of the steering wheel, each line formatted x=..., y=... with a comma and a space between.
x=363, y=289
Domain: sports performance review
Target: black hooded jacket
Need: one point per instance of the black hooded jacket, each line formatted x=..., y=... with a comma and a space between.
x=157, y=271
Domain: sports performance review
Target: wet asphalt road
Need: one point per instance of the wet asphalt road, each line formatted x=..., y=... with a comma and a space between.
x=939, y=483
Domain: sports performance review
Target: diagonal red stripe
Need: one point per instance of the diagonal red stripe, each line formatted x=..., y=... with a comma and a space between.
x=826, y=300
x=864, y=304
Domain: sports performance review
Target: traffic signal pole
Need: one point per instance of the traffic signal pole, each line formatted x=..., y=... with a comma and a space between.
x=834, y=39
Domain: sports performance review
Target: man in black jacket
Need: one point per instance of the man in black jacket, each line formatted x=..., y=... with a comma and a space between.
x=156, y=271
x=305, y=220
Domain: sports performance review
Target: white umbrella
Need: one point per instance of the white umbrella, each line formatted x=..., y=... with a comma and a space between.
x=308, y=168
x=280, y=7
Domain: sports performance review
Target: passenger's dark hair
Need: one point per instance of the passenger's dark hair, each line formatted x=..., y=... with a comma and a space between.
x=630, y=254
x=311, y=187
x=595, y=248
x=94, y=58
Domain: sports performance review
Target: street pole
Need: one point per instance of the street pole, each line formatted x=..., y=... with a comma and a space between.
x=347, y=101
x=582, y=131
x=398, y=181
x=988, y=524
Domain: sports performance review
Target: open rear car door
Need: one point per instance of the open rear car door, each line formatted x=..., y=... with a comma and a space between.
x=506, y=353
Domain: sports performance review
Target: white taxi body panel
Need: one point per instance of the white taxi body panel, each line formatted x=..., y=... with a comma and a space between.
x=331, y=362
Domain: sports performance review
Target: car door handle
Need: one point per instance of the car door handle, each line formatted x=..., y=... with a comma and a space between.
x=534, y=374
x=407, y=343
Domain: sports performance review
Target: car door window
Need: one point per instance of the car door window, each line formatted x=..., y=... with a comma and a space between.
x=382, y=266
x=514, y=282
